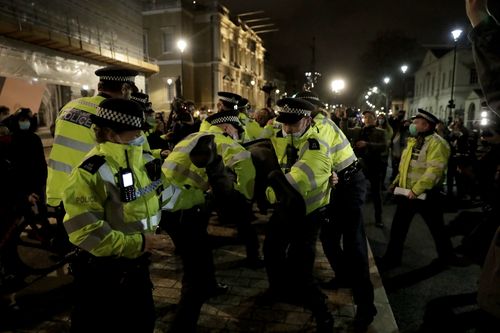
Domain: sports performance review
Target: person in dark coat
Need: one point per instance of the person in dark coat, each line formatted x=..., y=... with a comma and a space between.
x=28, y=158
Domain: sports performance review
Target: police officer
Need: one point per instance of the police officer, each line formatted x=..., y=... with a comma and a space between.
x=112, y=206
x=207, y=161
x=421, y=171
x=154, y=143
x=227, y=101
x=289, y=247
x=349, y=257
x=74, y=137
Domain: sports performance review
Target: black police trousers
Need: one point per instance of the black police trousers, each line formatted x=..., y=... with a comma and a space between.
x=431, y=210
x=112, y=295
x=289, y=254
x=349, y=259
x=188, y=230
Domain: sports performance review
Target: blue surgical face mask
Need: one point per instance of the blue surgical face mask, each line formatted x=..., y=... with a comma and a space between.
x=24, y=125
x=151, y=121
x=413, y=130
x=139, y=141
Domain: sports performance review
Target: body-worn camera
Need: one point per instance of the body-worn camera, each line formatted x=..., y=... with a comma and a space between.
x=126, y=183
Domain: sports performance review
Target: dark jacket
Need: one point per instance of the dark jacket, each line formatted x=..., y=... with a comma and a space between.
x=485, y=38
x=373, y=154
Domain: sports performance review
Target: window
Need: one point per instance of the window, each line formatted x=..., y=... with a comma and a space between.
x=473, y=76
x=252, y=45
x=145, y=45
x=232, y=54
x=167, y=39
x=433, y=83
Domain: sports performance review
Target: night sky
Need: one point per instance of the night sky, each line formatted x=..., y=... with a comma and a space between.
x=344, y=28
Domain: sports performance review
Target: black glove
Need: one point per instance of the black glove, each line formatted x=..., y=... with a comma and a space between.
x=220, y=178
x=289, y=200
x=204, y=152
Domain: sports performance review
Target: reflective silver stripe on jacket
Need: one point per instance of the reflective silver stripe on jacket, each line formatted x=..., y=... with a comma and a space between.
x=345, y=163
x=308, y=171
x=292, y=182
x=151, y=222
x=338, y=147
x=82, y=220
x=72, y=143
x=243, y=155
x=107, y=175
x=95, y=237
x=170, y=196
x=315, y=198
x=196, y=178
x=187, y=149
x=60, y=166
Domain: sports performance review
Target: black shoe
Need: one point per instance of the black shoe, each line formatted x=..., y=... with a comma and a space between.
x=254, y=263
x=335, y=284
x=324, y=324
x=218, y=289
x=452, y=260
x=385, y=264
x=364, y=317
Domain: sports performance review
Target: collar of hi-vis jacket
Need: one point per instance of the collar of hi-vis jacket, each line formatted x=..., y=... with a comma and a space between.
x=115, y=154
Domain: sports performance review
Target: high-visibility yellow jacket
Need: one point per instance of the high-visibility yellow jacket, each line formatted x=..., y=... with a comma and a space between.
x=310, y=174
x=422, y=171
x=73, y=139
x=340, y=150
x=96, y=219
x=179, y=169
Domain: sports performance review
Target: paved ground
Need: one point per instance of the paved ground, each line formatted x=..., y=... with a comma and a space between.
x=44, y=307
x=419, y=286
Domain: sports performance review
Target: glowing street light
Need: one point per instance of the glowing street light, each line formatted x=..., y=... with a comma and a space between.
x=337, y=85
x=387, y=80
x=182, y=45
x=451, y=104
x=404, y=68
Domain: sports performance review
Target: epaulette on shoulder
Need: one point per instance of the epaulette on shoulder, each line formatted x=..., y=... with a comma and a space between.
x=93, y=163
x=313, y=144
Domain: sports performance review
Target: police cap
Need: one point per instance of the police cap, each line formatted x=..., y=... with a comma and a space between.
x=225, y=117
x=291, y=110
x=427, y=116
x=119, y=114
x=116, y=74
x=228, y=99
x=143, y=100
x=310, y=97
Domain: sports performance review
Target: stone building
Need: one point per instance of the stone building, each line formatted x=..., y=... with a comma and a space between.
x=221, y=53
x=50, y=49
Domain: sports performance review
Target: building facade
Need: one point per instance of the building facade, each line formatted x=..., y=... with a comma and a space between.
x=221, y=53
x=50, y=50
x=434, y=82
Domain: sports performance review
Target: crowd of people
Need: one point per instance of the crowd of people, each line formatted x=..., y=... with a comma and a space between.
x=122, y=178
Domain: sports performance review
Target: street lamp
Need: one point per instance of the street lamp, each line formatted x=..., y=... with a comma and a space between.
x=337, y=86
x=403, y=68
x=451, y=104
x=386, y=81
x=181, y=45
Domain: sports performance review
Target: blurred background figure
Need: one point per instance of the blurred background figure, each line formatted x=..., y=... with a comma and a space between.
x=29, y=165
x=383, y=124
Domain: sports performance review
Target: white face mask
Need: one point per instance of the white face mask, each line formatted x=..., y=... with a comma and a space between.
x=139, y=141
x=295, y=135
x=24, y=125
